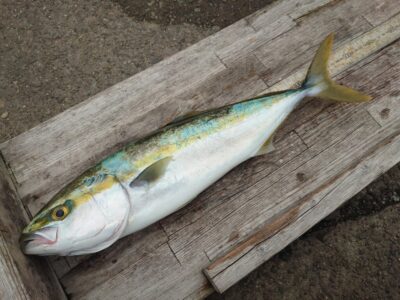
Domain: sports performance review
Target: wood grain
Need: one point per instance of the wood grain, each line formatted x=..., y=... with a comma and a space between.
x=323, y=151
x=279, y=51
x=11, y=285
x=114, y=260
x=293, y=8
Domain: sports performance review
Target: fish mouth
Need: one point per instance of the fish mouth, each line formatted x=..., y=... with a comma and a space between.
x=45, y=236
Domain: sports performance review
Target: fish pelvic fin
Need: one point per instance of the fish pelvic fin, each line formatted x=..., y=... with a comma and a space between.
x=319, y=82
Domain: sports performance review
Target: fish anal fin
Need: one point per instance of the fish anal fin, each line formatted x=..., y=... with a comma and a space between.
x=152, y=173
x=267, y=147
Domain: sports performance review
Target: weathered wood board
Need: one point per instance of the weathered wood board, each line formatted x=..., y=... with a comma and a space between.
x=325, y=153
x=20, y=277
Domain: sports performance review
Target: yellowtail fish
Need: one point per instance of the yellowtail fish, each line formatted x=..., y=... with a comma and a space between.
x=155, y=176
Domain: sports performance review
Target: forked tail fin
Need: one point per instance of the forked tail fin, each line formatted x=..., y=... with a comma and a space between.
x=320, y=83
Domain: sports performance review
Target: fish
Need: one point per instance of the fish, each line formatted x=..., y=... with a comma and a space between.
x=152, y=177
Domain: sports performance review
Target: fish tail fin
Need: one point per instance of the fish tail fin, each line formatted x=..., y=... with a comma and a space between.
x=319, y=82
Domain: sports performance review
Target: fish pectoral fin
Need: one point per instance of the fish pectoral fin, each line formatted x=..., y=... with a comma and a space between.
x=267, y=147
x=152, y=173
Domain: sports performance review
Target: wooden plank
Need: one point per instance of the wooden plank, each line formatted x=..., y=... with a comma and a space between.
x=239, y=81
x=307, y=7
x=382, y=86
x=21, y=277
x=11, y=285
x=344, y=56
x=277, y=53
x=386, y=110
x=148, y=282
x=381, y=155
x=154, y=264
x=294, y=8
x=114, y=260
x=252, y=41
x=382, y=11
x=60, y=265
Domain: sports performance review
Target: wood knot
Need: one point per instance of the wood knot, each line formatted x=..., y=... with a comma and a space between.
x=301, y=177
x=385, y=113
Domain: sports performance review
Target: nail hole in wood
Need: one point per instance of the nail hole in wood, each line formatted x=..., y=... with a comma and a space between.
x=301, y=177
x=385, y=113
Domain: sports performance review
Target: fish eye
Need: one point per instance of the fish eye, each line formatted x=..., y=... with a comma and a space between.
x=59, y=212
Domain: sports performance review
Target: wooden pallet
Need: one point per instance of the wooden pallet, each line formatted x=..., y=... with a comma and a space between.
x=325, y=154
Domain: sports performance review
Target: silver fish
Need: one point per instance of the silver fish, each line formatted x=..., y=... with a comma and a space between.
x=155, y=176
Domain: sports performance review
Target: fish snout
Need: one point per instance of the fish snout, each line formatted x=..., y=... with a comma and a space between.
x=30, y=241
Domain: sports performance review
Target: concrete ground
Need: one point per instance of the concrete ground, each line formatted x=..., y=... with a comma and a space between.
x=55, y=54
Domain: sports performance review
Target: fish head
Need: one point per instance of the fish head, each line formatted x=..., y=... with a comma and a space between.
x=85, y=217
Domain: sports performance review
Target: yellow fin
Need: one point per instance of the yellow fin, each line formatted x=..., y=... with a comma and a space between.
x=267, y=147
x=321, y=85
x=152, y=173
x=342, y=93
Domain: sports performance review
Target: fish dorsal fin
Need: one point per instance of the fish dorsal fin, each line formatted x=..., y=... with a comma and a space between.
x=184, y=117
x=152, y=173
x=267, y=147
x=89, y=181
